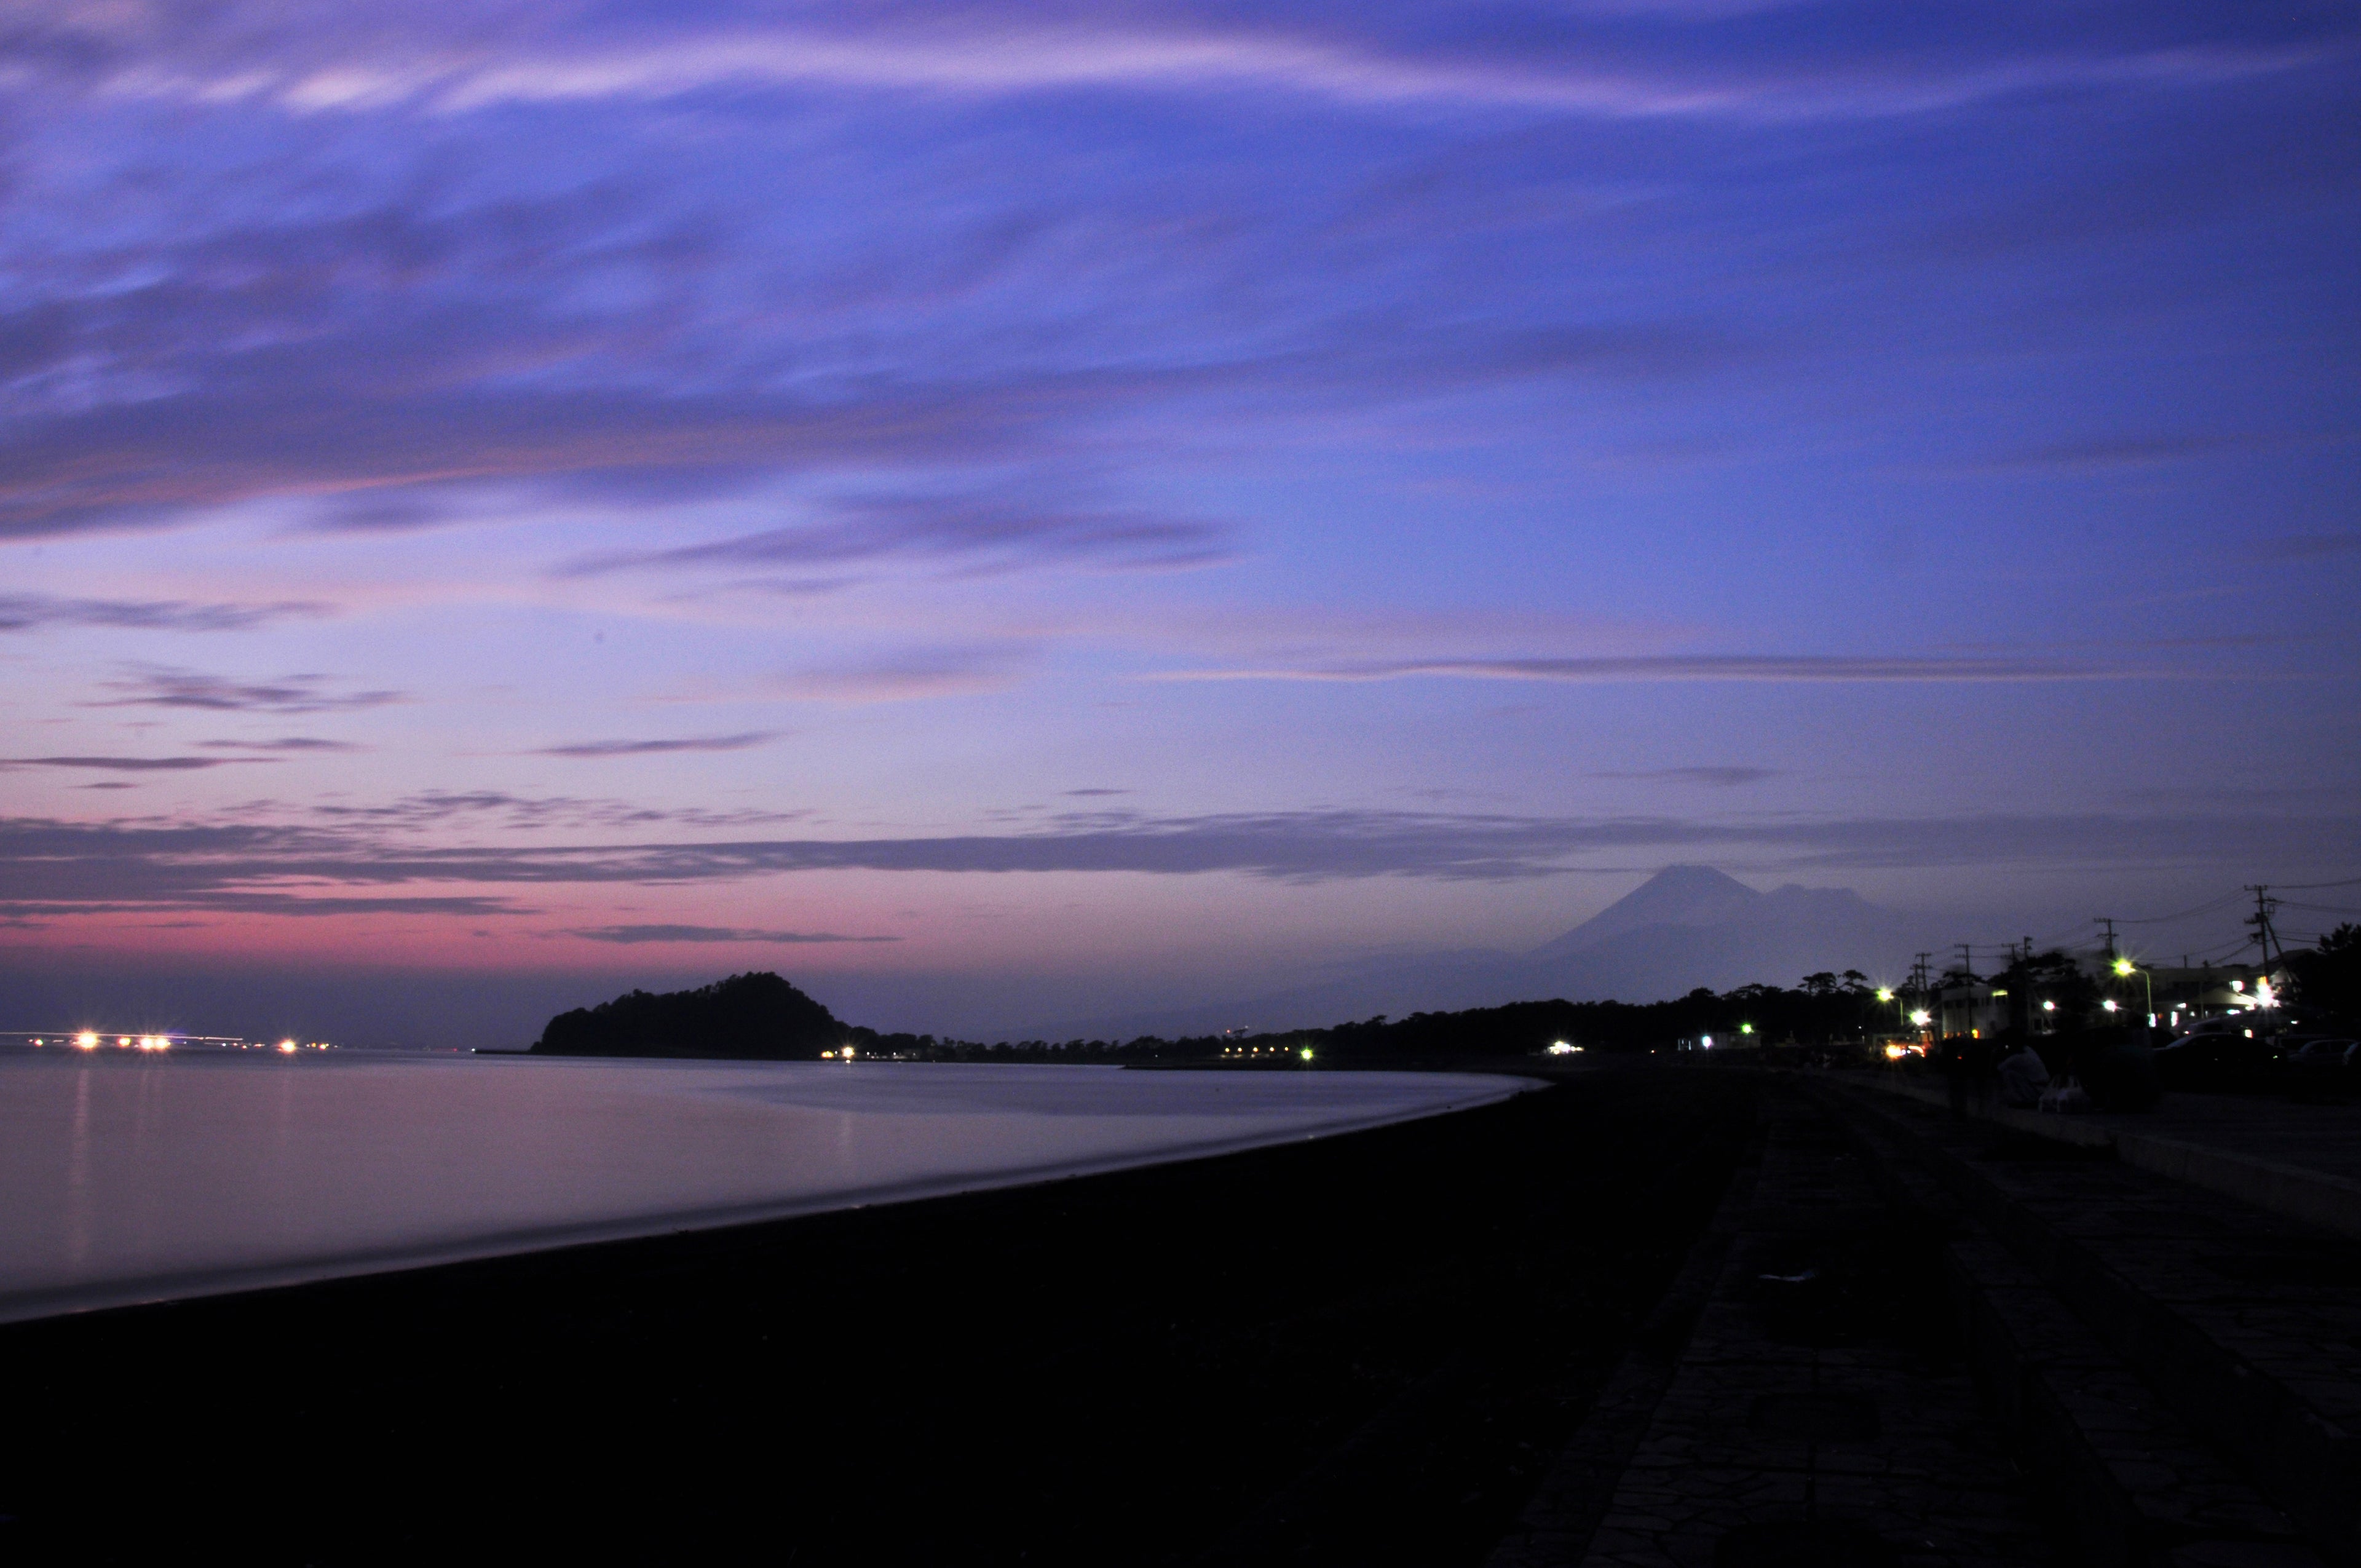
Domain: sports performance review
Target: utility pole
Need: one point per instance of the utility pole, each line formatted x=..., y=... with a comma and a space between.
x=1967, y=963
x=2264, y=906
x=2261, y=921
x=2110, y=924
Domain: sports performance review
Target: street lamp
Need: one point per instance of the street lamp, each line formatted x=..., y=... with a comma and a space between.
x=2125, y=968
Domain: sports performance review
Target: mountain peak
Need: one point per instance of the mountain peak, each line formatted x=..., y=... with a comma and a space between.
x=1677, y=895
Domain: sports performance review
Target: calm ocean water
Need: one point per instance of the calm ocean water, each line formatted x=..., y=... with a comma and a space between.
x=136, y=1176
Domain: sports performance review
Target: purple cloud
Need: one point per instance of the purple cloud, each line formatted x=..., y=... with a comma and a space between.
x=594, y=749
x=632, y=936
x=1716, y=778
x=25, y=612
x=1749, y=667
x=131, y=764
x=292, y=743
x=217, y=694
x=185, y=865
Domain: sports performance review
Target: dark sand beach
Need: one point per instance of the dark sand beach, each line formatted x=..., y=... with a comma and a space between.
x=1361, y=1349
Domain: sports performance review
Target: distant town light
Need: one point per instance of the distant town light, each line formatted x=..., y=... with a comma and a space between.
x=287, y=1045
x=2263, y=997
x=1897, y=1051
x=1563, y=1048
x=2050, y=1007
x=121, y=1041
x=1746, y=1029
x=86, y=1040
x=2109, y=1004
x=1884, y=993
x=2237, y=985
x=1706, y=1040
x=1306, y=1053
x=1921, y=1017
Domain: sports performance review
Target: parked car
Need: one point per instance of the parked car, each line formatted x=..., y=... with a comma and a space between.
x=2219, y=1061
x=2323, y=1060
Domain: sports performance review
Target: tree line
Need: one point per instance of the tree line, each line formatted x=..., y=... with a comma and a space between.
x=762, y=1015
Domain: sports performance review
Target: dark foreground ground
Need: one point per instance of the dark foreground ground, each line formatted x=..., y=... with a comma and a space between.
x=1357, y=1351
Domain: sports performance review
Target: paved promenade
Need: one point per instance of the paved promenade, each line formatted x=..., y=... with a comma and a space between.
x=1913, y=1338
x=2325, y=1138
x=1821, y=1410
x=2289, y=1157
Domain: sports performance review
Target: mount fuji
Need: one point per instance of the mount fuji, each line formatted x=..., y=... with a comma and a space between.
x=1685, y=926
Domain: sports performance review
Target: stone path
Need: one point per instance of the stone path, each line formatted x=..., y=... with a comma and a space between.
x=1819, y=1411
x=2322, y=1137
x=2247, y=1323
x=2298, y=1159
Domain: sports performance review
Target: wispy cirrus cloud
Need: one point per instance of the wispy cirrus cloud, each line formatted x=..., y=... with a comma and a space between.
x=633, y=936
x=904, y=676
x=185, y=865
x=1716, y=778
x=1747, y=667
x=139, y=462
x=311, y=745
x=2103, y=454
x=163, y=688
x=305, y=905
x=972, y=535
x=599, y=749
x=1293, y=52
x=502, y=810
x=28, y=613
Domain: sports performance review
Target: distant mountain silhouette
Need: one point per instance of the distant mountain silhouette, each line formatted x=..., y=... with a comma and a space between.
x=1684, y=927
x=1677, y=895
x=1692, y=925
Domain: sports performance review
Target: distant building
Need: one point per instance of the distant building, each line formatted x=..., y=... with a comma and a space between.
x=1975, y=1008
x=2189, y=995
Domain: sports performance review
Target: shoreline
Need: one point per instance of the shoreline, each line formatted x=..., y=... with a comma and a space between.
x=1122, y=1366
x=391, y=1170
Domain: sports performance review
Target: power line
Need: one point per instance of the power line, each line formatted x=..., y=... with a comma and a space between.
x=2222, y=903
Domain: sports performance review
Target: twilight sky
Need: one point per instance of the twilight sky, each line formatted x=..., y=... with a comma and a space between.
x=1008, y=512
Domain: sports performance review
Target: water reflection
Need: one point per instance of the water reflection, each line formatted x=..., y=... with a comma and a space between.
x=148, y=1175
